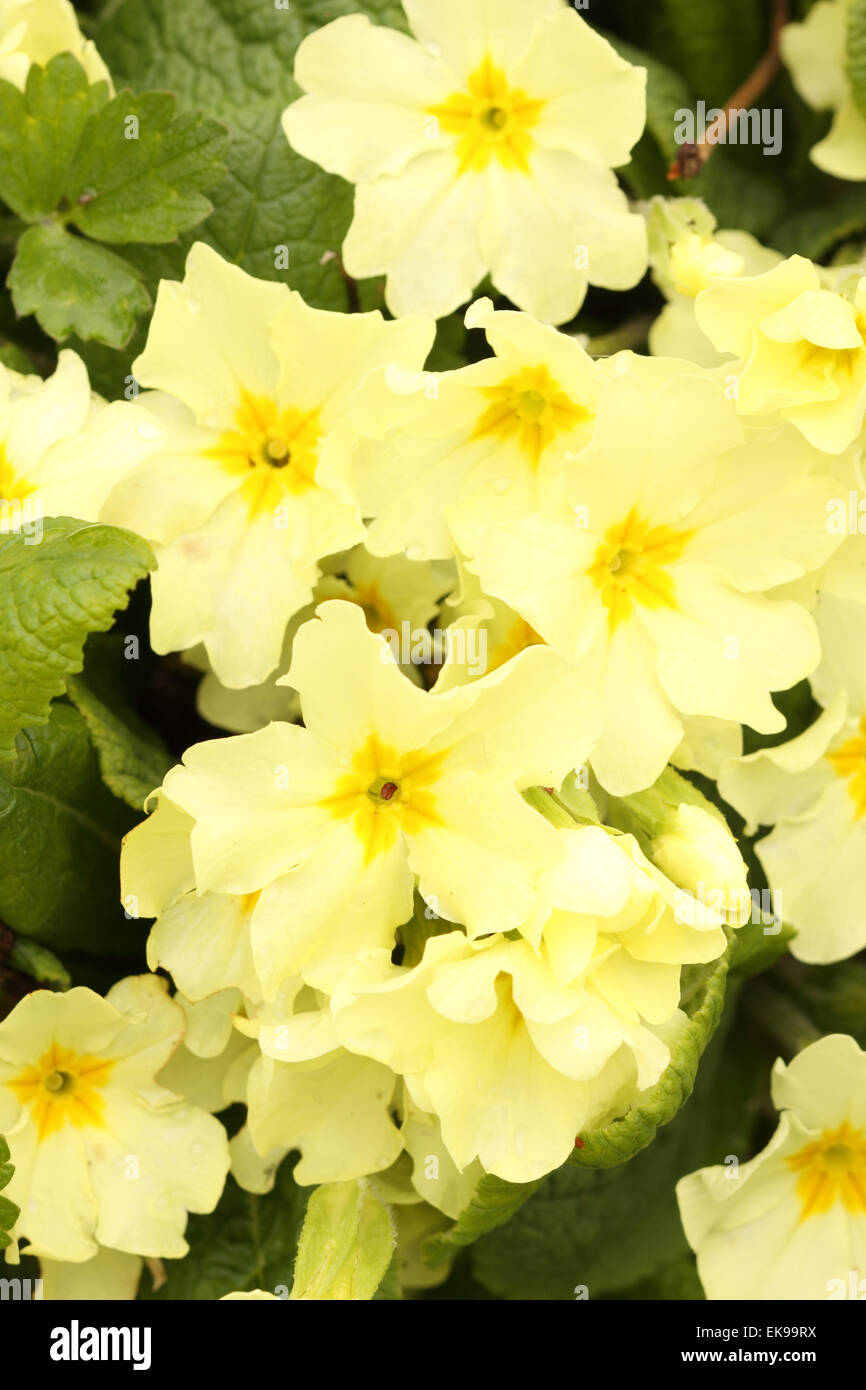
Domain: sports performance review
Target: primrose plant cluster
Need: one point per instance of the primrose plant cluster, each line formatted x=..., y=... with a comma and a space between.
x=488, y=642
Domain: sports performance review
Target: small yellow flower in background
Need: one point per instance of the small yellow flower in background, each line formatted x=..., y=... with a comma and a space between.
x=486, y=143
x=330, y=824
x=651, y=574
x=803, y=348
x=814, y=53
x=791, y=1223
x=812, y=790
x=391, y=592
x=103, y=1155
x=246, y=486
x=496, y=434
x=62, y=448
x=686, y=253
x=34, y=31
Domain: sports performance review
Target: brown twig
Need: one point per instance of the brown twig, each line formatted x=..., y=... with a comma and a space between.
x=692, y=157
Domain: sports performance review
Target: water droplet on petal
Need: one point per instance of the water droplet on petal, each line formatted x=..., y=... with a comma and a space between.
x=501, y=485
x=433, y=49
x=193, y=306
x=414, y=550
x=479, y=1008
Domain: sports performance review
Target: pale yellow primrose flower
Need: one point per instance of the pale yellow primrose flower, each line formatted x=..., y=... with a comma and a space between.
x=512, y=1062
x=496, y=433
x=329, y=824
x=306, y=1092
x=791, y=1223
x=653, y=577
x=686, y=254
x=600, y=960
x=390, y=591
x=246, y=489
x=34, y=31
x=62, y=448
x=103, y=1155
x=486, y=143
x=813, y=791
x=814, y=53
x=803, y=348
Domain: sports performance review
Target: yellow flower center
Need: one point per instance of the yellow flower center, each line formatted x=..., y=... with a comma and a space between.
x=849, y=761
x=63, y=1087
x=377, y=611
x=387, y=792
x=491, y=119
x=630, y=566
x=12, y=488
x=518, y=637
x=275, y=450
x=531, y=408
x=832, y=1169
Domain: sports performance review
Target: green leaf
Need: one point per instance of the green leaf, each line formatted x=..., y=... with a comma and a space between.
x=74, y=286
x=32, y=959
x=347, y=1244
x=817, y=231
x=606, y=1230
x=714, y=45
x=738, y=196
x=855, y=53
x=496, y=1201
x=40, y=129
x=703, y=997
x=148, y=185
x=8, y=1210
x=52, y=594
x=60, y=833
x=122, y=170
x=236, y=60
x=132, y=758
x=755, y=949
x=249, y=1242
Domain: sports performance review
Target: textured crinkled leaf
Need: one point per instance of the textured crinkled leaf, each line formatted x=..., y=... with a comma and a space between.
x=148, y=187
x=855, y=53
x=40, y=129
x=60, y=833
x=347, y=1244
x=52, y=594
x=236, y=61
x=494, y=1203
x=8, y=1210
x=132, y=758
x=249, y=1242
x=124, y=169
x=75, y=286
x=703, y=998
